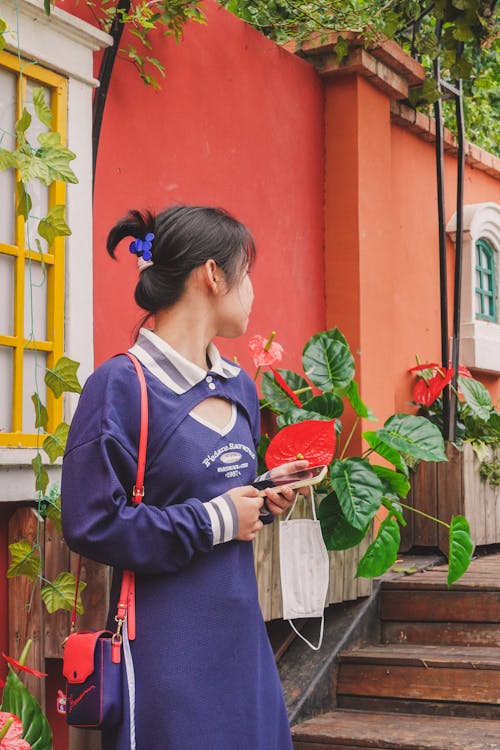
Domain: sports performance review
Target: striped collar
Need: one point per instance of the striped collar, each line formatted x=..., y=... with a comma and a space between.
x=174, y=370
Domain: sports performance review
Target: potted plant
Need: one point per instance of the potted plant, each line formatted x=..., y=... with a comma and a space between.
x=357, y=487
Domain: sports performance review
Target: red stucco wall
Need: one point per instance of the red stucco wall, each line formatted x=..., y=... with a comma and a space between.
x=239, y=124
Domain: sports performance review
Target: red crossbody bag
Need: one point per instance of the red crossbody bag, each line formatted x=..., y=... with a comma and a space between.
x=92, y=662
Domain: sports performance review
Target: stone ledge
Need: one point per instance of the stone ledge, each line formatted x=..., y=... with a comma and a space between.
x=425, y=127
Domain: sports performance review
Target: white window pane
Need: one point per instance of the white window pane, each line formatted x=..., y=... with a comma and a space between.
x=8, y=94
x=479, y=304
x=35, y=301
x=6, y=375
x=7, y=263
x=33, y=374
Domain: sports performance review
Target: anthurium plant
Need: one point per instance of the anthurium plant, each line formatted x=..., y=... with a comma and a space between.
x=309, y=408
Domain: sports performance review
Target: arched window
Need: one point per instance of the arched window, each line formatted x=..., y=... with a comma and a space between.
x=486, y=302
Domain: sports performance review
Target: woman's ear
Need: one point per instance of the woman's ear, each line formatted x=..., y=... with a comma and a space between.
x=213, y=276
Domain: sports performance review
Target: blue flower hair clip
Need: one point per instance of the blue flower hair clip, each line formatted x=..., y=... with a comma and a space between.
x=142, y=248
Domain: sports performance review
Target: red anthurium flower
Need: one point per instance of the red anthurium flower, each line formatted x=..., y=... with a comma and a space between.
x=14, y=663
x=263, y=353
x=313, y=439
x=12, y=739
x=284, y=386
x=426, y=392
x=462, y=370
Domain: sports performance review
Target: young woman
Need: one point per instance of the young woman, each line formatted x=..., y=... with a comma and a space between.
x=201, y=673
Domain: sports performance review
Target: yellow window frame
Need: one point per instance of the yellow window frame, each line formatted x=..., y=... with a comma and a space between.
x=54, y=263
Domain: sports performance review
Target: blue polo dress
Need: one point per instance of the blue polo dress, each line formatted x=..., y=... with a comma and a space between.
x=201, y=674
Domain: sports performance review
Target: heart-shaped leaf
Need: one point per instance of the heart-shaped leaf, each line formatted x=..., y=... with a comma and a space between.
x=18, y=700
x=313, y=440
x=275, y=397
x=337, y=533
x=41, y=476
x=413, y=436
x=53, y=506
x=477, y=397
x=55, y=445
x=358, y=488
x=382, y=552
x=24, y=560
x=42, y=109
x=60, y=593
x=392, y=481
x=54, y=225
x=63, y=377
x=327, y=406
x=357, y=403
x=24, y=203
x=41, y=415
x=460, y=550
x=328, y=362
x=391, y=454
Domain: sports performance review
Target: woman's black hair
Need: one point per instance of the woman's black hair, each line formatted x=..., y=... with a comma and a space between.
x=185, y=237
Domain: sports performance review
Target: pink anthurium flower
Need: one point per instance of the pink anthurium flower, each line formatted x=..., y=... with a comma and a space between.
x=265, y=352
x=313, y=440
x=11, y=730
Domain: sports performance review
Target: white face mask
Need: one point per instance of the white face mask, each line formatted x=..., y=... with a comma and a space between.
x=305, y=570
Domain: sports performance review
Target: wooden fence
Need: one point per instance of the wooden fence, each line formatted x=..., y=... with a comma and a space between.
x=49, y=630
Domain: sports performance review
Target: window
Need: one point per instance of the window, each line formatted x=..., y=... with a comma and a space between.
x=485, y=281
x=31, y=272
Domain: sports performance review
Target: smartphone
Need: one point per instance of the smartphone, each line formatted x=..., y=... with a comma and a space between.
x=295, y=480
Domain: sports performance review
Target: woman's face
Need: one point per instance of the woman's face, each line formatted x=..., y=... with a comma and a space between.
x=234, y=307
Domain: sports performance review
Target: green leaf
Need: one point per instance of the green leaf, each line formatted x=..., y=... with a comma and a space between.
x=63, y=378
x=25, y=560
x=413, y=436
x=47, y=6
x=18, y=700
x=325, y=406
x=391, y=454
x=31, y=166
x=358, y=488
x=357, y=404
x=382, y=552
x=391, y=503
x=41, y=414
x=41, y=476
x=53, y=506
x=41, y=107
x=53, y=225
x=341, y=48
x=60, y=593
x=8, y=159
x=275, y=396
x=24, y=203
x=477, y=397
x=461, y=68
x=22, y=125
x=392, y=481
x=461, y=548
x=427, y=93
x=337, y=533
x=57, y=159
x=328, y=362
x=55, y=445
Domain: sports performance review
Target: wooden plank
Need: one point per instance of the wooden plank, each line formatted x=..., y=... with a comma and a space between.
x=26, y=622
x=422, y=708
x=351, y=559
x=470, y=685
x=450, y=492
x=449, y=633
x=399, y=731
x=474, y=509
x=96, y=594
x=467, y=657
x=364, y=586
x=426, y=532
x=56, y=560
x=336, y=587
x=276, y=600
x=440, y=606
x=263, y=558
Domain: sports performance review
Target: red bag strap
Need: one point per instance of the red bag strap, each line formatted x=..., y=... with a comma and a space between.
x=126, y=600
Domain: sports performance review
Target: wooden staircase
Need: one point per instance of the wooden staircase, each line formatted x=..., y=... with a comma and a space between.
x=433, y=681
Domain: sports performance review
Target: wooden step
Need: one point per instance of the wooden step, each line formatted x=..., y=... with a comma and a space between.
x=442, y=633
x=435, y=605
x=355, y=730
x=440, y=674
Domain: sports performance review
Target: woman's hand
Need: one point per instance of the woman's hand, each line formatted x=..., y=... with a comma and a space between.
x=248, y=504
x=279, y=502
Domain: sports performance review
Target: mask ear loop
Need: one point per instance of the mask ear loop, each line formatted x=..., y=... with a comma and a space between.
x=322, y=628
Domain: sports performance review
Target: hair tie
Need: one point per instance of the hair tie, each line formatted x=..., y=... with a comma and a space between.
x=142, y=248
